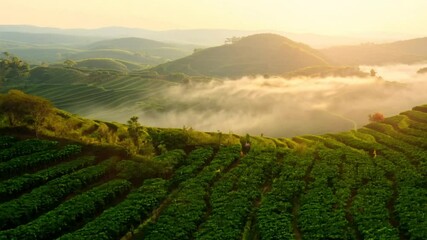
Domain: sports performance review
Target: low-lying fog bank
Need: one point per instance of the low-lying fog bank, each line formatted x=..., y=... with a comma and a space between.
x=284, y=107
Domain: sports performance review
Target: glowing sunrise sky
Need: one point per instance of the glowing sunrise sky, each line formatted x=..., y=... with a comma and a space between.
x=334, y=17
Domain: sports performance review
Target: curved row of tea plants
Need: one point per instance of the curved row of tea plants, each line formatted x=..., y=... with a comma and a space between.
x=180, y=218
x=14, y=186
x=28, y=206
x=70, y=213
x=24, y=163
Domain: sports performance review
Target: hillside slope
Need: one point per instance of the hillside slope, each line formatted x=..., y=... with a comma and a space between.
x=146, y=47
x=409, y=51
x=108, y=64
x=132, y=44
x=257, y=54
x=364, y=184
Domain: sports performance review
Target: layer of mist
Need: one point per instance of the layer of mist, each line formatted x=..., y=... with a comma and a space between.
x=284, y=107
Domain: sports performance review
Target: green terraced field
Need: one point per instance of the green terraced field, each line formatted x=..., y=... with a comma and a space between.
x=111, y=95
x=364, y=184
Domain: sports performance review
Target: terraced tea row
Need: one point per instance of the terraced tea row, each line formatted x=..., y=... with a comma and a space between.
x=114, y=93
x=365, y=184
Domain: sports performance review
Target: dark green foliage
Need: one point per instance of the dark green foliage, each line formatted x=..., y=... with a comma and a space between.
x=179, y=220
x=116, y=221
x=232, y=197
x=130, y=170
x=6, y=142
x=19, y=211
x=24, y=163
x=136, y=132
x=12, y=67
x=170, y=138
x=136, y=170
x=195, y=160
x=364, y=184
x=274, y=216
x=172, y=158
x=25, y=147
x=69, y=213
x=25, y=182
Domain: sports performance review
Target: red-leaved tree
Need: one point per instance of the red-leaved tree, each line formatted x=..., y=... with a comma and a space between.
x=376, y=117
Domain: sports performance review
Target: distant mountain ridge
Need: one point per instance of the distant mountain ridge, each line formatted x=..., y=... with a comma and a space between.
x=407, y=51
x=45, y=39
x=39, y=45
x=210, y=37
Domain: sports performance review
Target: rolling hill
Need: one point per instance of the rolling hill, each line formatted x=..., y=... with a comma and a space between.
x=409, y=51
x=37, y=48
x=146, y=47
x=258, y=54
x=108, y=64
x=119, y=54
x=80, y=182
x=131, y=44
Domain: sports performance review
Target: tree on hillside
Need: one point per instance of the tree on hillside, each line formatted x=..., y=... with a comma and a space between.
x=21, y=108
x=12, y=67
x=373, y=73
x=135, y=131
x=232, y=40
x=69, y=63
x=376, y=117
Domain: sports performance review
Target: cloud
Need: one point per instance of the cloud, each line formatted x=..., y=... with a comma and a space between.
x=286, y=107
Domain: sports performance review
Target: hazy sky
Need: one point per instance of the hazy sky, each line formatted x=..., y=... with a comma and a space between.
x=313, y=16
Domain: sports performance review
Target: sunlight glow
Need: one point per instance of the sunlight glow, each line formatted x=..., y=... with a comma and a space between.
x=335, y=17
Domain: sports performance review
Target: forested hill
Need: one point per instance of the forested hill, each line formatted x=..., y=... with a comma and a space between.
x=183, y=184
x=253, y=55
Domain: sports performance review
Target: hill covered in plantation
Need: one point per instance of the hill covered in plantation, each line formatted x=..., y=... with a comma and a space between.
x=259, y=54
x=82, y=179
x=108, y=64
